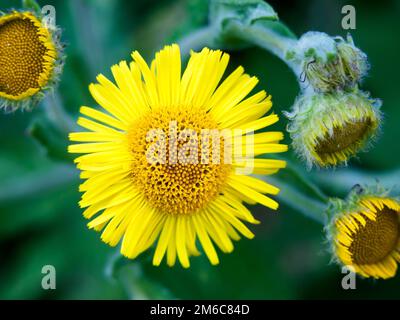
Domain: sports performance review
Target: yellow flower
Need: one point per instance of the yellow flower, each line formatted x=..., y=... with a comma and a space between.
x=29, y=59
x=140, y=190
x=367, y=237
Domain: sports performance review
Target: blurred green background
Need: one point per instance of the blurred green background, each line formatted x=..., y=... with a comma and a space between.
x=40, y=222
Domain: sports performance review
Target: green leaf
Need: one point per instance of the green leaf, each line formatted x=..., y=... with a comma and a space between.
x=245, y=11
x=139, y=286
x=238, y=24
x=31, y=5
x=34, y=201
x=53, y=139
x=114, y=264
x=31, y=184
x=279, y=28
x=131, y=276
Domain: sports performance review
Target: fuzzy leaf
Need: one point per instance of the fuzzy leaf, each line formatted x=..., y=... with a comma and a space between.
x=246, y=11
x=53, y=139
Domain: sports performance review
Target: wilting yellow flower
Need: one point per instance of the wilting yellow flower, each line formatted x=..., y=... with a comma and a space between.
x=29, y=59
x=365, y=235
x=140, y=190
x=328, y=129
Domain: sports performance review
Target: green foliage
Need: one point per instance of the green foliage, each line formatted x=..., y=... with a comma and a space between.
x=196, y=17
x=245, y=11
x=31, y=5
x=51, y=138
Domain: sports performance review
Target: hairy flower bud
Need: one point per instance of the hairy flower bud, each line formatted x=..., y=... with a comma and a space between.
x=329, y=63
x=327, y=129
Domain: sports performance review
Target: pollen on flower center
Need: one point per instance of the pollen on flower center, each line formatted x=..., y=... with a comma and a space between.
x=376, y=240
x=22, y=55
x=343, y=138
x=170, y=185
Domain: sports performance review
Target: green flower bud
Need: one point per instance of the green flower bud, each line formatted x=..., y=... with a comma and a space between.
x=327, y=129
x=329, y=64
x=364, y=232
x=353, y=61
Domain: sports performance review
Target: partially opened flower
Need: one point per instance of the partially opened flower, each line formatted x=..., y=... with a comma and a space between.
x=328, y=129
x=148, y=177
x=365, y=234
x=30, y=59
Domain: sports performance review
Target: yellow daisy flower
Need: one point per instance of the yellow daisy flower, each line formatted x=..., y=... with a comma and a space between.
x=140, y=189
x=367, y=238
x=29, y=59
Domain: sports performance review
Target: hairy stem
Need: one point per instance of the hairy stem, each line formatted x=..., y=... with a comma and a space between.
x=56, y=113
x=341, y=181
x=265, y=37
x=301, y=202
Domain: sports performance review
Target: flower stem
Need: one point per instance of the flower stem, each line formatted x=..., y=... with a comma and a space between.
x=301, y=202
x=264, y=36
x=341, y=181
x=56, y=113
x=260, y=33
x=312, y=188
x=300, y=193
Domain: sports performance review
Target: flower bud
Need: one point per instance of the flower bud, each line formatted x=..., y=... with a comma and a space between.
x=327, y=129
x=329, y=64
x=30, y=59
x=364, y=232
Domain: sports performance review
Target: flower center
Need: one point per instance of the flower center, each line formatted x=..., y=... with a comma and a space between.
x=22, y=56
x=346, y=137
x=176, y=166
x=377, y=239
